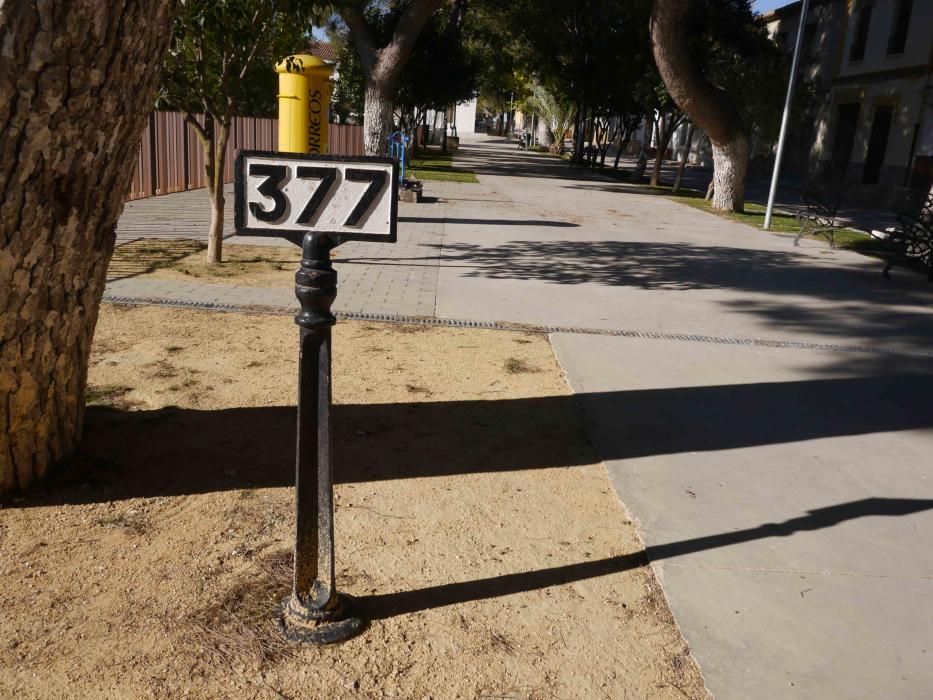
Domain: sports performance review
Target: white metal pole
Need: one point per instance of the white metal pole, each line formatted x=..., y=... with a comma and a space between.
x=786, y=117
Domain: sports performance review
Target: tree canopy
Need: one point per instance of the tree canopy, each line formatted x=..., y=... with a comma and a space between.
x=441, y=70
x=221, y=55
x=219, y=64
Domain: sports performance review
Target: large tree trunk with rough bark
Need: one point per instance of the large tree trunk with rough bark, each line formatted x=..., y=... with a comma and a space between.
x=77, y=81
x=377, y=119
x=383, y=66
x=708, y=106
x=730, y=165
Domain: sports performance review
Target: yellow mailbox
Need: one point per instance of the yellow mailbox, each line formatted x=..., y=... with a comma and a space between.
x=304, y=104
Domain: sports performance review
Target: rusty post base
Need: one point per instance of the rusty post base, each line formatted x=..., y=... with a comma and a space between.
x=304, y=624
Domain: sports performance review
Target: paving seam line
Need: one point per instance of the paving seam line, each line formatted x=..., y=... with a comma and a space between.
x=521, y=327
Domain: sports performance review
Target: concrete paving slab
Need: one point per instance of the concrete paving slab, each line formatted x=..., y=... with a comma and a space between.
x=549, y=245
x=792, y=635
x=760, y=476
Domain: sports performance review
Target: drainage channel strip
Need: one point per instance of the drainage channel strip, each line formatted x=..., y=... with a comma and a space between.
x=527, y=328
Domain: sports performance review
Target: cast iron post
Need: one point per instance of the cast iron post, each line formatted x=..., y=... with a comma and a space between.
x=315, y=612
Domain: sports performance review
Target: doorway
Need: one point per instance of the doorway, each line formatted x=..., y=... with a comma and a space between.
x=846, y=126
x=877, y=143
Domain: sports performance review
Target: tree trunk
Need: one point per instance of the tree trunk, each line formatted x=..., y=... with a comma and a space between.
x=624, y=138
x=78, y=81
x=377, y=120
x=683, y=160
x=660, y=147
x=708, y=106
x=383, y=66
x=642, y=163
x=593, y=140
x=730, y=163
x=218, y=149
x=605, y=144
x=444, y=135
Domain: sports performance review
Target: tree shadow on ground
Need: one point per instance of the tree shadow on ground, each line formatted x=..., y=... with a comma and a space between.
x=663, y=189
x=485, y=222
x=406, y=602
x=174, y=452
x=863, y=303
x=492, y=158
x=142, y=256
x=679, y=266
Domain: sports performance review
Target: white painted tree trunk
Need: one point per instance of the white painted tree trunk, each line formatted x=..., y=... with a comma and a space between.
x=730, y=164
x=77, y=81
x=684, y=157
x=377, y=121
x=708, y=106
x=660, y=147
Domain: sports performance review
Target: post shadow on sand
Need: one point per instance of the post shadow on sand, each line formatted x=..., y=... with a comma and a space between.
x=406, y=602
x=173, y=451
x=140, y=256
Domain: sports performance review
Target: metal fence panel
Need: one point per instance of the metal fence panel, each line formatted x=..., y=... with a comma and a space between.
x=142, y=185
x=346, y=140
x=196, y=176
x=171, y=152
x=171, y=157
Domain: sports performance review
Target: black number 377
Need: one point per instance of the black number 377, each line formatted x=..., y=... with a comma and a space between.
x=275, y=174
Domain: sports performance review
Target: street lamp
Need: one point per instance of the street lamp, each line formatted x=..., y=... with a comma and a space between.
x=790, y=94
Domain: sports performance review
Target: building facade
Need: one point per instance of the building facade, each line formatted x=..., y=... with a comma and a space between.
x=867, y=64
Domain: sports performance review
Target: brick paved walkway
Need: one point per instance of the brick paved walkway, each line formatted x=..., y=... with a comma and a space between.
x=398, y=278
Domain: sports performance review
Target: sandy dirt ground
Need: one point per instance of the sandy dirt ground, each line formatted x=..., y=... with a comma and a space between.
x=474, y=527
x=182, y=259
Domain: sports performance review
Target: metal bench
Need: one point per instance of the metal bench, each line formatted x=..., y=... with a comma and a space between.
x=912, y=240
x=818, y=217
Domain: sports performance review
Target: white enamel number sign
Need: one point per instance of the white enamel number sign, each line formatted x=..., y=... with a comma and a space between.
x=283, y=194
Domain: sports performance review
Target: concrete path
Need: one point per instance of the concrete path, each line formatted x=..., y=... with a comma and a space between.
x=785, y=493
x=535, y=243
x=757, y=188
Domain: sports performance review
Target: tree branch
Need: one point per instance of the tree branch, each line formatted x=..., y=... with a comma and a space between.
x=362, y=37
x=409, y=26
x=258, y=33
x=458, y=10
x=707, y=105
x=200, y=71
x=198, y=129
